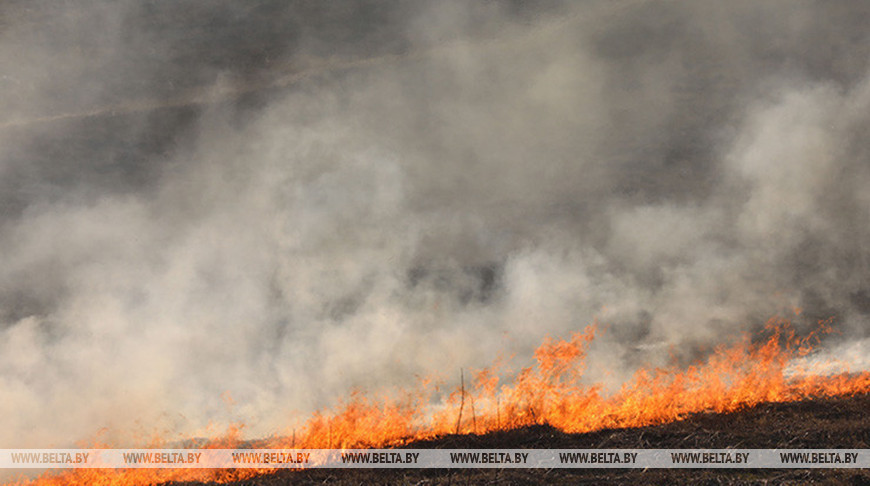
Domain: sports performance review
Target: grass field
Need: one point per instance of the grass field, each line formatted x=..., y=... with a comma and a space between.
x=836, y=423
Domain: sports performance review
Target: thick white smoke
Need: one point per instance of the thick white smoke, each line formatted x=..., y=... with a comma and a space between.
x=679, y=171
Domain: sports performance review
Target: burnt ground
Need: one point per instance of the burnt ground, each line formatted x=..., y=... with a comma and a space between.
x=824, y=423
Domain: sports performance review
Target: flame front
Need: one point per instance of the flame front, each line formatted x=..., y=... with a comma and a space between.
x=549, y=392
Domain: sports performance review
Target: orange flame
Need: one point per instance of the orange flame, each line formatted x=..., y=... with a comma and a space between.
x=549, y=392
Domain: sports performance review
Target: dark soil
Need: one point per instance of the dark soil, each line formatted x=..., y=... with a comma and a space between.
x=829, y=423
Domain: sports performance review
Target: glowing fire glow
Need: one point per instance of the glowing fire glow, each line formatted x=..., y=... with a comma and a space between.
x=549, y=392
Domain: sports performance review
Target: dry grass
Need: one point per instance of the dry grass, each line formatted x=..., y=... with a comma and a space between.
x=829, y=423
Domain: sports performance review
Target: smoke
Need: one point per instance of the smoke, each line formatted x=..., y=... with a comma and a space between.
x=225, y=211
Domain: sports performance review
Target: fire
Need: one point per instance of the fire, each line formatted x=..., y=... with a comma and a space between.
x=549, y=392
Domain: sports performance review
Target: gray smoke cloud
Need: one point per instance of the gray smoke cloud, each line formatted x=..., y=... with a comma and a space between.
x=288, y=200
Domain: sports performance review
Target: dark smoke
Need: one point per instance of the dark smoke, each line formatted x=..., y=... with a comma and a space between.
x=284, y=200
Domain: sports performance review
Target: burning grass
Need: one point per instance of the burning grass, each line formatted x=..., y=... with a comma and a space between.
x=550, y=392
x=840, y=422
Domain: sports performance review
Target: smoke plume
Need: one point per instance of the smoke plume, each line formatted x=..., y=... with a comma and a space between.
x=239, y=211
